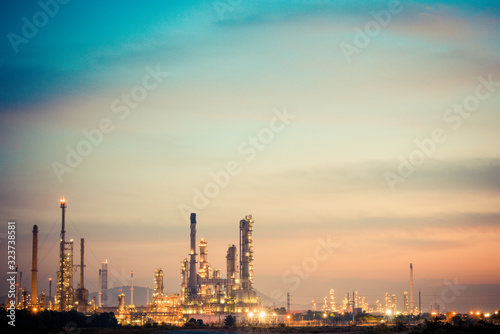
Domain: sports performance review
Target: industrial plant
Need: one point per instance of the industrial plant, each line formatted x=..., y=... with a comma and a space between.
x=205, y=293
x=203, y=290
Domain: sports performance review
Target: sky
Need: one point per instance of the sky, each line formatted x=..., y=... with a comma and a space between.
x=368, y=127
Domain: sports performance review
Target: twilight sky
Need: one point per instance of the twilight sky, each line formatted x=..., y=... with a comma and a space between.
x=374, y=126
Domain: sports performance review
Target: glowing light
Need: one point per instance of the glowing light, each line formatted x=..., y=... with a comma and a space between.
x=324, y=315
x=250, y=314
x=262, y=314
x=487, y=315
x=496, y=312
x=288, y=316
x=388, y=312
x=478, y=313
x=63, y=200
x=35, y=309
x=471, y=313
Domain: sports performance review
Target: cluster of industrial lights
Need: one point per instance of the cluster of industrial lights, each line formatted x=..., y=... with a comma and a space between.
x=262, y=314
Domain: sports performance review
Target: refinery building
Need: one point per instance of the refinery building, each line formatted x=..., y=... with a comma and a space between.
x=204, y=291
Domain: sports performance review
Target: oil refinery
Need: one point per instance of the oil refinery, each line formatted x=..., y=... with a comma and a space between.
x=205, y=294
x=203, y=290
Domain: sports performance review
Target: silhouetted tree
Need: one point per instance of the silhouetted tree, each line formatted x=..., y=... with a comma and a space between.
x=230, y=321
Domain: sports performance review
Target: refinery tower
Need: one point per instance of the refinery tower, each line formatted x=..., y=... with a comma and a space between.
x=203, y=291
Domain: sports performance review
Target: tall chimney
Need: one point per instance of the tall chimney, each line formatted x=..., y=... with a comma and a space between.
x=34, y=268
x=131, y=288
x=100, y=289
x=81, y=292
x=62, y=297
x=20, y=300
x=50, y=290
x=411, y=289
x=17, y=286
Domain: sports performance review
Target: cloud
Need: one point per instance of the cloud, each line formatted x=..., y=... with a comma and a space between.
x=434, y=175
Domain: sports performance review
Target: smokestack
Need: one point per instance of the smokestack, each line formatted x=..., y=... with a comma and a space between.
x=100, y=288
x=192, y=263
x=81, y=293
x=34, y=268
x=20, y=287
x=62, y=297
x=16, y=298
x=50, y=290
x=411, y=289
x=132, y=288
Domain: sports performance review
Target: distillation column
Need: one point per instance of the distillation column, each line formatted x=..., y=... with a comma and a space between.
x=231, y=270
x=158, y=290
x=246, y=253
x=203, y=270
x=412, y=308
x=184, y=279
